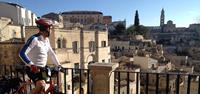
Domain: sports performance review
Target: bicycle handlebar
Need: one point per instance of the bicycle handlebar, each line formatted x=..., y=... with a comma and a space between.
x=55, y=70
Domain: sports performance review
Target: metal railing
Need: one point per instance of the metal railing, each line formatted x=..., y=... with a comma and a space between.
x=156, y=83
x=77, y=77
x=126, y=82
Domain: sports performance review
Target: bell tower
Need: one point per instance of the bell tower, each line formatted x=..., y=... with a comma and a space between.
x=162, y=19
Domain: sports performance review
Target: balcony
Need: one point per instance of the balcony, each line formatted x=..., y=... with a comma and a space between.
x=106, y=79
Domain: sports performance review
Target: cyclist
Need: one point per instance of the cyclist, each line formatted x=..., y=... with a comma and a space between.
x=35, y=52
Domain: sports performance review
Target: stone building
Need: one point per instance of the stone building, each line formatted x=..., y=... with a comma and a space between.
x=121, y=48
x=57, y=18
x=132, y=82
x=152, y=66
x=18, y=14
x=169, y=34
x=195, y=27
x=82, y=17
x=169, y=27
x=145, y=62
x=193, y=86
x=161, y=85
x=89, y=20
x=112, y=27
x=8, y=30
x=107, y=19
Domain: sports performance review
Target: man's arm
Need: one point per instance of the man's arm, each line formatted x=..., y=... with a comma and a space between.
x=26, y=49
x=54, y=59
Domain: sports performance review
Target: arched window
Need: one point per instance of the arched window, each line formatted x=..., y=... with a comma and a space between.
x=64, y=42
x=59, y=43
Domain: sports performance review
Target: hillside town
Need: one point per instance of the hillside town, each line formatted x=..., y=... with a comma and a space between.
x=83, y=39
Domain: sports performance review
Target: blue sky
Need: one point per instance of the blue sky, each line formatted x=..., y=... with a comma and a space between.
x=181, y=12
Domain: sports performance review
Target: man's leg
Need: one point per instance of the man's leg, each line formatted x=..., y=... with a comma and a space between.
x=39, y=88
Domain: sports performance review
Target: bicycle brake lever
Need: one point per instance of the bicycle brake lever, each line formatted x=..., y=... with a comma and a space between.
x=62, y=69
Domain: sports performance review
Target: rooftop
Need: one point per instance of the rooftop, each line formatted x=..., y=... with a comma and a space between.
x=10, y=3
x=82, y=12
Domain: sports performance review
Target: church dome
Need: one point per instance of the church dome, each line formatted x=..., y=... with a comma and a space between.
x=170, y=22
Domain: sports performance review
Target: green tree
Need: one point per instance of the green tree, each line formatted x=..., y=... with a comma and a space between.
x=133, y=30
x=137, y=21
x=120, y=29
x=143, y=30
x=130, y=30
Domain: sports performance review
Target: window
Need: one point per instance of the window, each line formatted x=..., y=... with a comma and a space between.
x=68, y=87
x=64, y=43
x=75, y=20
x=103, y=60
x=115, y=47
x=75, y=46
x=109, y=60
x=103, y=43
x=122, y=47
x=91, y=46
x=76, y=66
x=59, y=43
x=82, y=21
x=153, y=66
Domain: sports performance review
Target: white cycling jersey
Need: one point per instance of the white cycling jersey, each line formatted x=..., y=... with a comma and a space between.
x=36, y=51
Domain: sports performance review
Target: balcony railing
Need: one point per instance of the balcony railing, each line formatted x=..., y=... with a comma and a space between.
x=78, y=78
x=157, y=83
x=125, y=82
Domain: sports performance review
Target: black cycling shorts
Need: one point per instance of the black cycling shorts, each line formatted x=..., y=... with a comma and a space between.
x=42, y=75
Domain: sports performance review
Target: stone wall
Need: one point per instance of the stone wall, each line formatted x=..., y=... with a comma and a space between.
x=83, y=17
x=9, y=53
x=8, y=31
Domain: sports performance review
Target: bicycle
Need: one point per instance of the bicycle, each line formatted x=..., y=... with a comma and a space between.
x=22, y=88
x=50, y=90
x=8, y=84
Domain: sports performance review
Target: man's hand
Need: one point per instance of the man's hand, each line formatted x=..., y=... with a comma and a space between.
x=34, y=69
x=60, y=68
